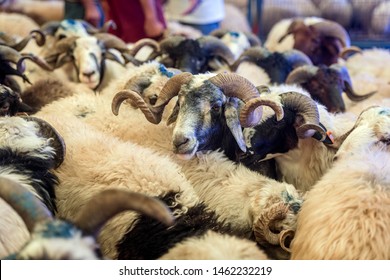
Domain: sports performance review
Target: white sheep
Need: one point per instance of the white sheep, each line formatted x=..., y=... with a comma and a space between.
x=346, y=214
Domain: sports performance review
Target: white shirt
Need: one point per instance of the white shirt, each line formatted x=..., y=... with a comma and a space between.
x=208, y=11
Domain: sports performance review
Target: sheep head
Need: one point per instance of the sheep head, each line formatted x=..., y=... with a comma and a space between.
x=193, y=56
x=322, y=42
x=326, y=85
x=59, y=239
x=88, y=56
x=277, y=65
x=274, y=135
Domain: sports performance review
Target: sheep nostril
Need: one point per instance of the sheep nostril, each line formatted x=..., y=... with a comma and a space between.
x=88, y=74
x=180, y=140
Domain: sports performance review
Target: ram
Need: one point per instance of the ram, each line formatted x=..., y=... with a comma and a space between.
x=57, y=239
x=261, y=66
x=194, y=56
x=125, y=165
x=30, y=150
x=304, y=142
x=320, y=39
x=326, y=85
x=346, y=214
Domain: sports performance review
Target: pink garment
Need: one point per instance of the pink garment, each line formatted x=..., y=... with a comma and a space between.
x=129, y=18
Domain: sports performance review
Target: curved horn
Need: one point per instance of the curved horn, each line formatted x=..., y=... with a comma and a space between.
x=216, y=47
x=110, y=24
x=264, y=227
x=348, y=51
x=48, y=131
x=285, y=239
x=39, y=61
x=172, y=88
x=109, y=203
x=297, y=58
x=348, y=84
x=111, y=41
x=50, y=27
x=308, y=117
x=28, y=206
x=330, y=28
x=253, y=104
x=144, y=42
x=252, y=54
x=169, y=44
x=301, y=74
x=234, y=85
x=9, y=54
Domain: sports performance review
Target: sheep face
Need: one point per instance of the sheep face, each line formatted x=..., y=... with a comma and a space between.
x=70, y=27
x=88, y=60
x=198, y=123
x=237, y=42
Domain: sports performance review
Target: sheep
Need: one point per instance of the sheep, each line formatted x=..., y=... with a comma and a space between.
x=59, y=239
x=275, y=65
x=30, y=150
x=326, y=85
x=192, y=56
x=346, y=214
x=320, y=39
x=304, y=142
x=129, y=166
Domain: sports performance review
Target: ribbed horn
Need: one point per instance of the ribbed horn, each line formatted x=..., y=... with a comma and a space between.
x=285, y=239
x=142, y=43
x=105, y=205
x=28, y=206
x=301, y=74
x=253, y=54
x=297, y=58
x=264, y=227
x=9, y=54
x=330, y=28
x=253, y=104
x=111, y=41
x=216, y=47
x=234, y=85
x=172, y=88
x=305, y=108
x=48, y=131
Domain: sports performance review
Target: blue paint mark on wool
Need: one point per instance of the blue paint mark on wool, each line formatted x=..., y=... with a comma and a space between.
x=164, y=71
x=234, y=34
x=57, y=229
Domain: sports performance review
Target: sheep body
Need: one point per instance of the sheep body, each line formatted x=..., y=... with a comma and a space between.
x=350, y=203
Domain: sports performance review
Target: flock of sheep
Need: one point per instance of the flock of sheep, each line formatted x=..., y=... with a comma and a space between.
x=218, y=147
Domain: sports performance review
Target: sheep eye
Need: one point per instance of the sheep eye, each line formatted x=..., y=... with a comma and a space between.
x=216, y=106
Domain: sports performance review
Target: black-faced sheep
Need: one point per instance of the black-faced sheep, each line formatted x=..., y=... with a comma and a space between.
x=57, y=239
x=30, y=149
x=346, y=214
x=320, y=39
x=326, y=85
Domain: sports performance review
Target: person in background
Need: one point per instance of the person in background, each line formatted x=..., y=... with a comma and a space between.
x=137, y=19
x=204, y=15
x=88, y=10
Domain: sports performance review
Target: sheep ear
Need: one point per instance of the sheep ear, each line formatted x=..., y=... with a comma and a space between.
x=173, y=116
x=233, y=122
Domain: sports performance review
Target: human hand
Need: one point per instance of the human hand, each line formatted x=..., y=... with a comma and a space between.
x=93, y=15
x=154, y=28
